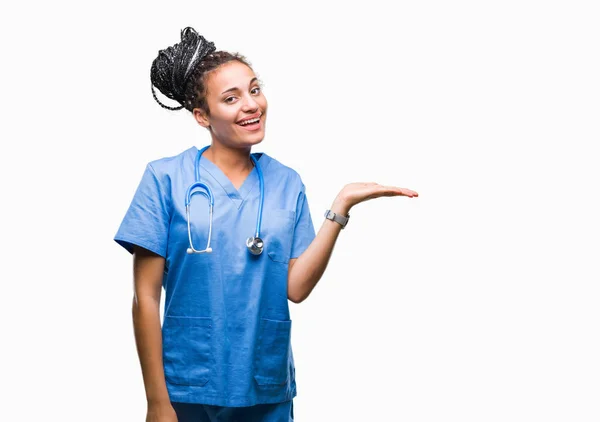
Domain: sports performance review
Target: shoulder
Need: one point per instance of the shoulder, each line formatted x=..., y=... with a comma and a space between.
x=283, y=172
x=166, y=168
x=166, y=165
x=161, y=172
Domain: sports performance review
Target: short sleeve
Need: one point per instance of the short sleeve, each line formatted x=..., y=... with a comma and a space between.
x=146, y=222
x=304, y=231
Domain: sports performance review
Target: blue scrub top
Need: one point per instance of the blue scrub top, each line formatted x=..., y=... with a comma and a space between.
x=226, y=329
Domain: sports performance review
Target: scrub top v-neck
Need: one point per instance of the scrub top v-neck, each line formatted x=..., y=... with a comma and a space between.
x=236, y=195
x=227, y=328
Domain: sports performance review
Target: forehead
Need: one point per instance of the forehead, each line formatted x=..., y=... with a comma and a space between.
x=229, y=75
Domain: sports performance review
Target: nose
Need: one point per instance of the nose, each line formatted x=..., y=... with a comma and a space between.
x=249, y=103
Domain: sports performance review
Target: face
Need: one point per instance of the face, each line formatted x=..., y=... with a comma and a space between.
x=234, y=96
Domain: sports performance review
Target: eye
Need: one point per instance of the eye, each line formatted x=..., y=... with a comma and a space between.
x=229, y=98
x=256, y=89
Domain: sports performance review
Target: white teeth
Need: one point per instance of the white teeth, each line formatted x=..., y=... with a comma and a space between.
x=247, y=122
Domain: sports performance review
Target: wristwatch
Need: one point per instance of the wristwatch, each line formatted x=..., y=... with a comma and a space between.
x=330, y=215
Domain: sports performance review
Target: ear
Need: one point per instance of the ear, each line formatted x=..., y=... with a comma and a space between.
x=201, y=117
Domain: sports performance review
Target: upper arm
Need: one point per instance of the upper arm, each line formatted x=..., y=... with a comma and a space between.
x=148, y=271
x=291, y=264
x=304, y=231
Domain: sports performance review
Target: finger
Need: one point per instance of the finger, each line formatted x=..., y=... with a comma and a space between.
x=394, y=190
x=412, y=192
x=378, y=191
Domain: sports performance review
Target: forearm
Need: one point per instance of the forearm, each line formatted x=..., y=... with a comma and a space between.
x=148, y=337
x=310, y=266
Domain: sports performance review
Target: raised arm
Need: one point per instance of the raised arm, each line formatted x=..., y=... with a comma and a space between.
x=148, y=269
x=306, y=270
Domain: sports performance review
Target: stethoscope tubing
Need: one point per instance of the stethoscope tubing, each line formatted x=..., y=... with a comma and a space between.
x=254, y=244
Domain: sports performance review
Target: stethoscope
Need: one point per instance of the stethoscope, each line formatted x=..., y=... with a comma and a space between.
x=254, y=244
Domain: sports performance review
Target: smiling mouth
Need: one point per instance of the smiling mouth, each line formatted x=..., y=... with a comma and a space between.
x=247, y=122
x=252, y=124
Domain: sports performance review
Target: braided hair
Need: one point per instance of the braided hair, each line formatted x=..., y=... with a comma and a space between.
x=179, y=71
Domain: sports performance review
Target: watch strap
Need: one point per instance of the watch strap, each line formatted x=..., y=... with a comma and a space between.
x=340, y=219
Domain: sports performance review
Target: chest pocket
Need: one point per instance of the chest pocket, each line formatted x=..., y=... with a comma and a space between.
x=278, y=233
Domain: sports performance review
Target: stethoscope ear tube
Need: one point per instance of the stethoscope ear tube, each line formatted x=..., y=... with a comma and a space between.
x=191, y=249
x=190, y=192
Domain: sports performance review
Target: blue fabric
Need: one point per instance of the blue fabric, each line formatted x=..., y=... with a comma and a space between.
x=278, y=412
x=227, y=328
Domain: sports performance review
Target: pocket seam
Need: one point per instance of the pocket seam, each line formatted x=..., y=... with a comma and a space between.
x=285, y=213
x=278, y=258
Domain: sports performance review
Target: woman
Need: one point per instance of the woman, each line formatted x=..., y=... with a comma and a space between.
x=224, y=350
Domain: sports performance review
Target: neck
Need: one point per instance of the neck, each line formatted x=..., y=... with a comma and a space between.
x=229, y=160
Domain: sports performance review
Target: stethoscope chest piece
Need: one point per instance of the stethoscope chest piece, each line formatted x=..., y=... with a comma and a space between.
x=255, y=245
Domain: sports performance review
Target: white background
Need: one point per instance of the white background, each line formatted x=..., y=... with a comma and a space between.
x=476, y=301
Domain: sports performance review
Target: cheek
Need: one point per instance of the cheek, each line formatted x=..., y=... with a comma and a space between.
x=263, y=103
x=224, y=116
x=224, y=126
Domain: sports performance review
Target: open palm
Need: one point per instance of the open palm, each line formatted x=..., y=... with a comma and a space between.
x=355, y=193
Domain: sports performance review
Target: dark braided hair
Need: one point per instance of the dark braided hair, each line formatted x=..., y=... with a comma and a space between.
x=180, y=71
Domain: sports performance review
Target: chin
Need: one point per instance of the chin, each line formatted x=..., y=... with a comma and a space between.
x=258, y=141
x=256, y=137
x=245, y=142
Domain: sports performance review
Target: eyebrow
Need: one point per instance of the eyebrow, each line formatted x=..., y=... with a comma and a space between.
x=236, y=88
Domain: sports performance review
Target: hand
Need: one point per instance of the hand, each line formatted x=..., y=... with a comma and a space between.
x=161, y=413
x=355, y=193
